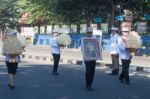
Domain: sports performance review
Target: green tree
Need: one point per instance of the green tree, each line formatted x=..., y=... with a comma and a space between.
x=8, y=14
x=81, y=11
x=41, y=11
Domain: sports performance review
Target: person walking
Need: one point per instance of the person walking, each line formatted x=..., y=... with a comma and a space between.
x=114, y=51
x=125, y=57
x=55, y=50
x=11, y=60
x=89, y=64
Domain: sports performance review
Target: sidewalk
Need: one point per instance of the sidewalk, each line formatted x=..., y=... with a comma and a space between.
x=74, y=56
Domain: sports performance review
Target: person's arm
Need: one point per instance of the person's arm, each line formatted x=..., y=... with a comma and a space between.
x=121, y=44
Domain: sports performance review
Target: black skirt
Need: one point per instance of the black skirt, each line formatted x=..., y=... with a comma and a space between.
x=12, y=67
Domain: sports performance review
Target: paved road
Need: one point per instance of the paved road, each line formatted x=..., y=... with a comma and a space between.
x=34, y=81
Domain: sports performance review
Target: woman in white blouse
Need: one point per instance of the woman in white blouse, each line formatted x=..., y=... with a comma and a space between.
x=11, y=63
x=125, y=57
x=55, y=50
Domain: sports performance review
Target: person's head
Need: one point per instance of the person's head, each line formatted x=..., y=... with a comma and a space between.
x=89, y=31
x=55, y=33
x=125, y=32
x=114, y=30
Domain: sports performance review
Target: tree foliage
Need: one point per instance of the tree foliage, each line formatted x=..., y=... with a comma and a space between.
x=66, y=11
x=82, y=11
x=8, y=13
x=69, y=11
x=41, y=10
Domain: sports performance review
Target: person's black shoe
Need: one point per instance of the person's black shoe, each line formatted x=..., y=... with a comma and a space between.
x=89, y=88
x=11, y=86
x=55, y=73
x=127, y=82
x=121, y=80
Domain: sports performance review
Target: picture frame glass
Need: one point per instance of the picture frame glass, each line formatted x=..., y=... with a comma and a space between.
x=91, y=48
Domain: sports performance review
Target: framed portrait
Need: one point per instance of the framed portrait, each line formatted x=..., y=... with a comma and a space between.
x=91, y=48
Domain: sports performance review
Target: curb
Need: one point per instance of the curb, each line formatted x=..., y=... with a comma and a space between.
x=80, y=62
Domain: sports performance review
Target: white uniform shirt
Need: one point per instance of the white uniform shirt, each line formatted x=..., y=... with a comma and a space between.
x=123, y=53
x=55, y=48
x=114, y=44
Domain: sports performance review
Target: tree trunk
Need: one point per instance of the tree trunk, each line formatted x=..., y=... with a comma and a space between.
x=78, y=28
x=45, y=30
x=39, y=29
x=2, y=33
x=88, y=24
x=70, y=30
x=52, y=28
